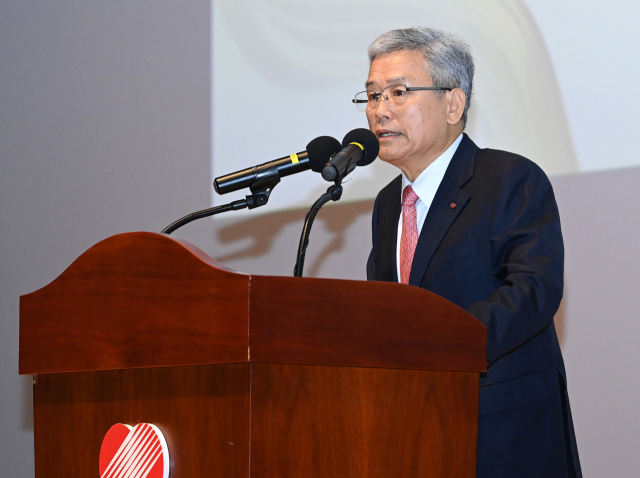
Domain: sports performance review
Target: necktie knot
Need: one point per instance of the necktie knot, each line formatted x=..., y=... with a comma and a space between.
x=409, y=197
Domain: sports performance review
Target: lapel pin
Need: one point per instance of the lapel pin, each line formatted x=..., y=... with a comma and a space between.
x=453, y=205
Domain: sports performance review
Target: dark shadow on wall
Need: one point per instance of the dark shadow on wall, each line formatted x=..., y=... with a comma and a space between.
x=263, y=231
x=337, y=220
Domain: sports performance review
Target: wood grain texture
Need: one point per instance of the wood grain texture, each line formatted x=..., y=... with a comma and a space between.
x=155, y=331
x=361, y=324
x=148, y=300
x=203, y=412
x=359, y=422
x=135, y=300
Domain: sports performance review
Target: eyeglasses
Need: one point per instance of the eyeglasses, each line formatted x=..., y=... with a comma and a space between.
x=396, y=94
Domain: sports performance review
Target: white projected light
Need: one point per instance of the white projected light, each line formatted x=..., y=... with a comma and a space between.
x=285, y=72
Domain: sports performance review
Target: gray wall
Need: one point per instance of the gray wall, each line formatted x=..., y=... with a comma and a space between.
x=104, y=128
x=598, y=319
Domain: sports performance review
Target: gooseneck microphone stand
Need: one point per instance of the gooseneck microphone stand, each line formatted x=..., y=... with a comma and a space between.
x=333, y=194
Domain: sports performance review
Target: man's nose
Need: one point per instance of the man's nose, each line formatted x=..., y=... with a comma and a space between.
x=382, y=108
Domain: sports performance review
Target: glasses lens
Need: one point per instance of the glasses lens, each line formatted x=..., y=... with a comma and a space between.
x=361, y=101
x=397, y=94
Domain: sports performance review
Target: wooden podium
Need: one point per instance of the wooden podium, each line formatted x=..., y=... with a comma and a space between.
x=248, y=376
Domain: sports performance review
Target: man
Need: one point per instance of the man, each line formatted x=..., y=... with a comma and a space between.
x=480, y=228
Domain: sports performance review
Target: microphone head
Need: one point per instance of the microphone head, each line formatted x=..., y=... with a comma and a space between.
x=320, y=151
x=368, y=140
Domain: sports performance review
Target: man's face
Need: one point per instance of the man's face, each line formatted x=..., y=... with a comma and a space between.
x=414, y=133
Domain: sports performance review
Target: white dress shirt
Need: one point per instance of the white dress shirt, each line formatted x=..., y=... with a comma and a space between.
x=425, y=186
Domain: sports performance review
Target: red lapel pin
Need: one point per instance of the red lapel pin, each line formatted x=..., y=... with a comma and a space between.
x=453, y=205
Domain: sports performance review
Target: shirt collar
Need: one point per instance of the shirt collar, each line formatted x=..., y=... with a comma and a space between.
x=426, y=184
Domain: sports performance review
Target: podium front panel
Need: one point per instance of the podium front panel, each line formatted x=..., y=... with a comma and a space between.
x=316, y=421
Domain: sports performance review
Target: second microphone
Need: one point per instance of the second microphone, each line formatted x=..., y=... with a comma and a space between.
x=360, y=147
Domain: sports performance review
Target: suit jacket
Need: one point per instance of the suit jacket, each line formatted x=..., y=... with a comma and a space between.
x=491, y=243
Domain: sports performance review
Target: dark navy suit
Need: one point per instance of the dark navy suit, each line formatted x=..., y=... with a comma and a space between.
x=491, y=243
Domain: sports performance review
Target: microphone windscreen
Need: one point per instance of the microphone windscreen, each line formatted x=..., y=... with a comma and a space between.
x=320, y=151
x=368, y=140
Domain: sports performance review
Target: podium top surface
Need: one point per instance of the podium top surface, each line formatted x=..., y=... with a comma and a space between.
x=150, y=300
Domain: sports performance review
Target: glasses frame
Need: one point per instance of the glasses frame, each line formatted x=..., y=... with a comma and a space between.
x=386, y=98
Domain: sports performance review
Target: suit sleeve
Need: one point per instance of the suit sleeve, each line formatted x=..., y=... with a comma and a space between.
x=528, y=259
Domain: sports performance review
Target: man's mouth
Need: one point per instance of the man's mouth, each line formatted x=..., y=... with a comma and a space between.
x=387, y=134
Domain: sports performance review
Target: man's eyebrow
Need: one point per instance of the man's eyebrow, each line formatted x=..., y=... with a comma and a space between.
x=393, y=81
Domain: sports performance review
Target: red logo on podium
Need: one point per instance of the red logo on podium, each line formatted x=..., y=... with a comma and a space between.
x=134, y=452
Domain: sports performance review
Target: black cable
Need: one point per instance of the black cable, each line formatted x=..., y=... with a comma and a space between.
x=235, y=205
x=333, y=194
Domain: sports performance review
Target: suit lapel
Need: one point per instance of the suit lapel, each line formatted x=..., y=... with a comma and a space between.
x=441, y=213
x=388, y=217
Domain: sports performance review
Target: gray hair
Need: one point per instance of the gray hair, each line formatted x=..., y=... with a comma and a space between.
x=448, y=58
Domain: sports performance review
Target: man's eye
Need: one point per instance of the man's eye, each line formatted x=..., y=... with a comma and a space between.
x=398, y=92
x=373, y=96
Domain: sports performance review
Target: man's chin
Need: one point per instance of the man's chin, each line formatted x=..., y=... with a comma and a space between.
x=392, y=159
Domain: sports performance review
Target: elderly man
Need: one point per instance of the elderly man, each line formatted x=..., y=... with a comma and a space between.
x=479, y=227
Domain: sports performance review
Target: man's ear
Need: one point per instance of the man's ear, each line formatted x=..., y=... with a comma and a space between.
x=457, y=102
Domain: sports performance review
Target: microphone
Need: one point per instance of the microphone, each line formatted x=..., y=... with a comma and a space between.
x=315, y=157
x=360, y=148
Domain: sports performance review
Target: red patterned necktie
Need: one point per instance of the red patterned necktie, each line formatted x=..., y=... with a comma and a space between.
x=409, y=232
